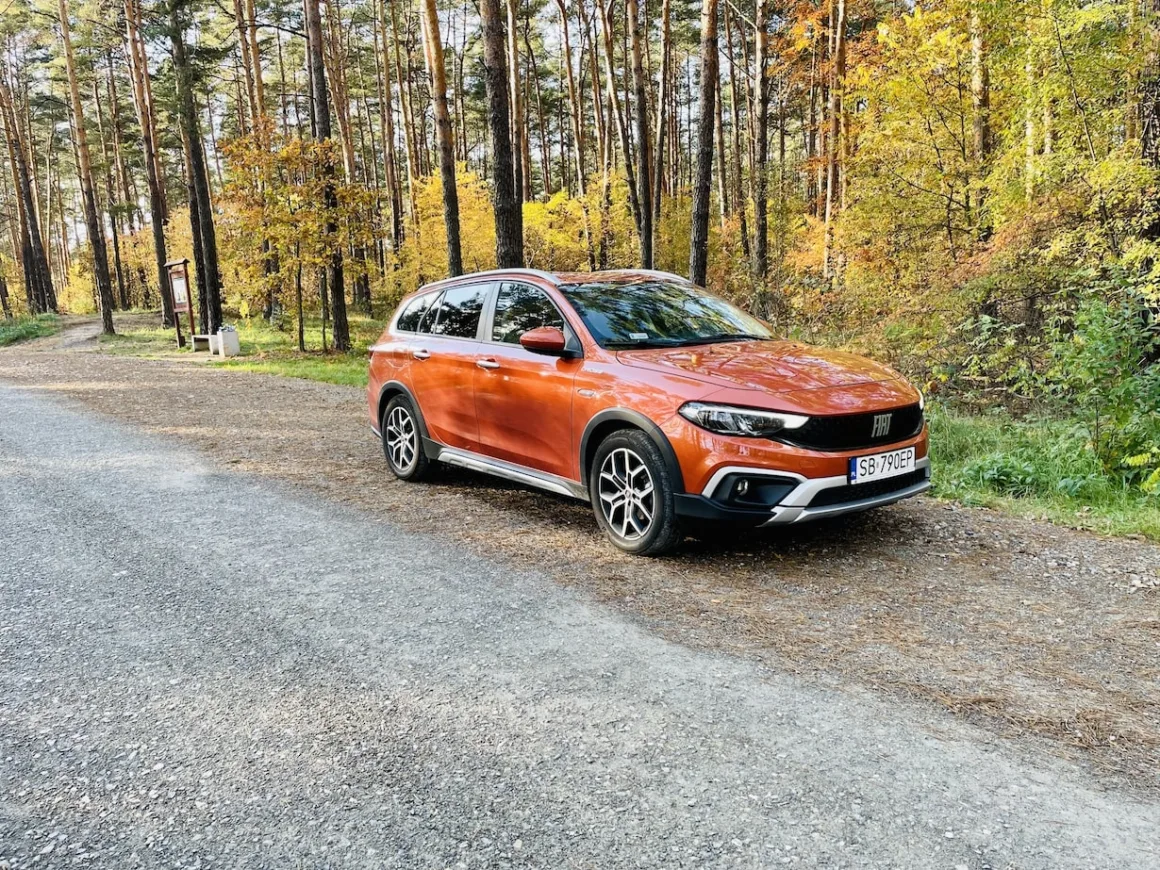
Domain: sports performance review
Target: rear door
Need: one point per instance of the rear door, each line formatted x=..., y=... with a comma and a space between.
x=444, y=354
x=523, y=400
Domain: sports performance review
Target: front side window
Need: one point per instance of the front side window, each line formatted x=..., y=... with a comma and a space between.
x=459, y=311
x=519, y=308
x=409, y=320
x=652, y=313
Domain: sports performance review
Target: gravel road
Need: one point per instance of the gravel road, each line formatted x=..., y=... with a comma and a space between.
x=198, y=669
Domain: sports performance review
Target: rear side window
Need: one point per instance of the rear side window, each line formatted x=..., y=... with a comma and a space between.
x=519, y=308
x=409, y=320
x=459, y=311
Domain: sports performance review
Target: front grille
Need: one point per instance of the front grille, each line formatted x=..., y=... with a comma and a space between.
x=855, y=431
x=843, y=494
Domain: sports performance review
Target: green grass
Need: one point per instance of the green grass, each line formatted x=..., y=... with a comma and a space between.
x=140, y=340
x=267, y=349
x=1040, y=468
x=26, y=327
x=347, y=369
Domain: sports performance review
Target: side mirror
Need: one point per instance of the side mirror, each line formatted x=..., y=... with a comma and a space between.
x=546, y=340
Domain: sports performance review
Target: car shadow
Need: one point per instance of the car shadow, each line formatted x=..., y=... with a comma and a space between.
x=880, y=530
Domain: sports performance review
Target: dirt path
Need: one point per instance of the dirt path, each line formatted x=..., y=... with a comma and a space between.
x=1042, y=633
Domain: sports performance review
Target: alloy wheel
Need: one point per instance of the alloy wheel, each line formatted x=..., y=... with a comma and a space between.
x=627, y=495
x=402, y=438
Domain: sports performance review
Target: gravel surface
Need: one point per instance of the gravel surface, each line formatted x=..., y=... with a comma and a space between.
x=1040, y=633
x=199, y=670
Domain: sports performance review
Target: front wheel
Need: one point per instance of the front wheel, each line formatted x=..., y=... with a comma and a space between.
x=402, y=441
x=632, y=494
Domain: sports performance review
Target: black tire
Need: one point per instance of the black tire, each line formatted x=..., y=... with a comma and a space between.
x=645, y=523
x=403, y=440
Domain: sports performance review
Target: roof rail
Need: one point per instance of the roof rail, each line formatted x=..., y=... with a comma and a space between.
x=491, y=273
x=658, y=274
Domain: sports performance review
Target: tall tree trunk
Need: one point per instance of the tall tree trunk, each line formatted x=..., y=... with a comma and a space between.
x=643, y=139
x=251, y=34
x=198, y=243
x=719, y=133
x=761, y=130
x=981, y=111
x=577, y=136
x=340, y=93
x=735, y=123
x=662, y=105
x=248, y=62
x=104, y=285
x=111, y=201
x=132, y=212
x=387, y=122
x=433, y=43
x=1029, y=116
x=699, y=242
x=509, y=242
x=335, y=278
x=588, y=31
x=606, y=199
x=403, y=78
x=199, y=177
x=618, y=116
x=39, y=291
x=523, y=184
x=143, y=103
x=534, y=73
x=833, y=140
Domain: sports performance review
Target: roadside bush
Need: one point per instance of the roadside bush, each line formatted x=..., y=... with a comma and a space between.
x=1105, y=369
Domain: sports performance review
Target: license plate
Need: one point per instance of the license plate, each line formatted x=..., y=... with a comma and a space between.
x=880, y=466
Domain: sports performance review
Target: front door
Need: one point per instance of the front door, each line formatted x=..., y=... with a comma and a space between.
x=523, y=400
x=443, y=368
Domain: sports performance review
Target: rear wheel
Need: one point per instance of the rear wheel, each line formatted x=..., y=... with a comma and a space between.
x=402, y=441
x=632, y=494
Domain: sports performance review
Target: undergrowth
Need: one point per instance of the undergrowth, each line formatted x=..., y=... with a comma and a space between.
x=27, y=327
x=1037, y=467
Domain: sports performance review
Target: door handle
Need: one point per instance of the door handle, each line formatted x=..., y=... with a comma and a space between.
x=422, y=353
x=487, y=364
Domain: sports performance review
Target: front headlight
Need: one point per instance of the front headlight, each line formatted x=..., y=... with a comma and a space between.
x=921, y=400
x=746, y=422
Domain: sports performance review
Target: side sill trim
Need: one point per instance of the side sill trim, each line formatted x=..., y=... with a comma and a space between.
x=511, y=471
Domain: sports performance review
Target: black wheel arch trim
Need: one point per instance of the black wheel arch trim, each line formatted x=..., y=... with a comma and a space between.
x=399, y=387
x=639, y=421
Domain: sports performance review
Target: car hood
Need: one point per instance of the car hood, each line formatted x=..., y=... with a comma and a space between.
x=768, y=366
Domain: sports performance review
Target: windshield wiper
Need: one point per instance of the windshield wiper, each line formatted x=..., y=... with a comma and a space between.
x=629, y=344
x=719, y=337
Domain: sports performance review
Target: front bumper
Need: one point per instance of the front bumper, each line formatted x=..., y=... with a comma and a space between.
x=811, y=498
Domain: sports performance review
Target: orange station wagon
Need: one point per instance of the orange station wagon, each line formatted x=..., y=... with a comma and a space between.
x=659, y=403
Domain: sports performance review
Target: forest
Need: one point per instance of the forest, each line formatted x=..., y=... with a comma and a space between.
x=966, y=189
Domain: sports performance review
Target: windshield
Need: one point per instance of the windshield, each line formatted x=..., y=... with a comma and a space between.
x=659, y=314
